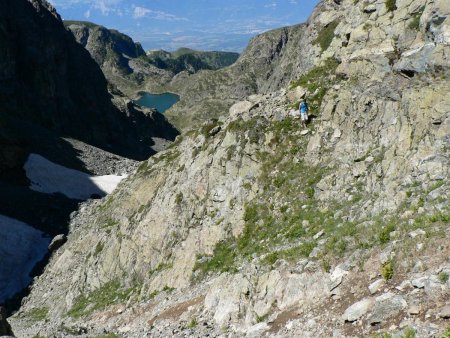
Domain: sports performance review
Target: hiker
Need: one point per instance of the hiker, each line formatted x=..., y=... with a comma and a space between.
x=303, y=113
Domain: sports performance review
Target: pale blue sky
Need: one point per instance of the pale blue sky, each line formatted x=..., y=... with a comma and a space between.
x=199, y=24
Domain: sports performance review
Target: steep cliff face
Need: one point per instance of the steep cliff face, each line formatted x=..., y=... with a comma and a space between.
x=267, y=228
x=49, y=82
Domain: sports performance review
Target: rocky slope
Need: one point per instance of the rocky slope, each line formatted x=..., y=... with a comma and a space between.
x=263, y=228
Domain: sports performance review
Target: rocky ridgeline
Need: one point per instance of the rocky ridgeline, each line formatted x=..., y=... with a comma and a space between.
x=127, y=66
x=250, y=225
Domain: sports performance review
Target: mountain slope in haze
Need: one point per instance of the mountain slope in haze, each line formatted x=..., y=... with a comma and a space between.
x=266, y=228
x=125, y=63
x=191, y=60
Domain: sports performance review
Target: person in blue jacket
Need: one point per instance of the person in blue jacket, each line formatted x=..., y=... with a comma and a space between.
x=304, y=112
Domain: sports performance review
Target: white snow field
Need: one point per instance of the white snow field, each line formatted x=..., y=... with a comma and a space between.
x=49, y=177
x=21, y=247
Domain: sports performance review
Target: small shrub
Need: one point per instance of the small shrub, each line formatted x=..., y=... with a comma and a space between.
x=391, y=5
x=443, y=277
x=387, y=271
x=384, y=235
x=193, y=323
x=367, y=26
x=326, y=266
x=179, y=198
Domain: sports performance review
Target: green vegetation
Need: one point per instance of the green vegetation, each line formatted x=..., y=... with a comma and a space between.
x=367, y=26
x=384, y=234
x=409, y=333
x=318, y=81
x=192, y=323
x=415, y=23
x=159, y=268
x=281, y=222
x=109, y=335
x=205, y=130
x=390, y=5
x=106, y=295
x=446, y=333
x=98, y=248
x=38, y=314
x=443, y=277
x=387, y=271
x=326, y=35
x=179, y=198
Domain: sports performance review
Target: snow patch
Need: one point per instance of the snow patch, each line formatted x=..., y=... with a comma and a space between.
x=21, y=247
x=49, y=177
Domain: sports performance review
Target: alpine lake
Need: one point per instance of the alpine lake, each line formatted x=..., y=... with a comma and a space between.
x=161, y=102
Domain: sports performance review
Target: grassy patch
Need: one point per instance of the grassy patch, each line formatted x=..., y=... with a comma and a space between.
x=443, y=277
x=446, y=333
x=99, y=299
x=38, y=314
x=326, y=35
x=192, y=323
x=390, y=5
x=415, y=23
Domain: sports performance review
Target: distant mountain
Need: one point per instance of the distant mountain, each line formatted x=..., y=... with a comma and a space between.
x=125, y=63
x=191, y=60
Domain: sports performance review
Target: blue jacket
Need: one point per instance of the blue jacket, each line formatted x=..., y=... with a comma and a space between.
x=303, y=107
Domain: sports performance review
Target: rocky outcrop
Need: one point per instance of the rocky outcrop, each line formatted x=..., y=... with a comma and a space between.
x=267, y=228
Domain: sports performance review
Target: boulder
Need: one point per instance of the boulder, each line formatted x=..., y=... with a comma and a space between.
x=240, y=107
x=445, y=312
x=296, y=94
x=357, y=310
x=375, y=286
x=386, y=306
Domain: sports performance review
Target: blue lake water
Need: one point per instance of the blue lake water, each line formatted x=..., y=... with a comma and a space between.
x=162, y=102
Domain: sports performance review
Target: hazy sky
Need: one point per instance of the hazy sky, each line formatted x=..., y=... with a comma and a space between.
x=198, y=24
